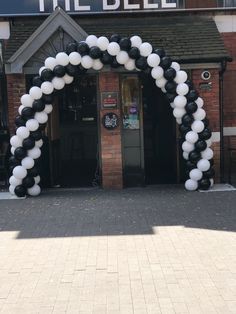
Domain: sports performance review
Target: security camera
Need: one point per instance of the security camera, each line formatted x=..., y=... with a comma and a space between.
x=206, y=75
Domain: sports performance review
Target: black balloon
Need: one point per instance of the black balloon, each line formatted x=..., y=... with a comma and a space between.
x=38, y=105
x=184, y=129
x=20, y=153
x=95, y=52
x=200, y=145
x=191, y=107
x=194, y=156
x=29, y=142
x=170, y=74
x=209, y=174
x=190, y=165
x=59, y=70
x=11, y=168
x=160, y=52
x=81, y=69
x=71, y=47
x=106, y=58
x=28, y=182
x=114, y=63
x=190, y=84
x=83, y=48
x=36, y=135
x=212, y=162
x=125, y=44
x=47, y=99
x=148, y=70
x=205, y=134
x=141, y=63
x=187, y=120
x=37, y=81
x=170, y=97
x=72, y=70
x=206, y=122
x=165, y=62
x=19, y=121
x=20, y=191
x=33, y=172
x=134, y=53
x=47, y=75
x=192, y=95
x=27, y=112
x=115, y=38
x=170, y=87
x=13, y=161
x=204, y=184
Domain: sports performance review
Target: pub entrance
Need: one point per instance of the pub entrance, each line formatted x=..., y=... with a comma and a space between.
x=74, y=135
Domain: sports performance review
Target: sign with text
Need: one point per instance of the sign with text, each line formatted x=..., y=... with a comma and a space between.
x=109, y=100
x=110, y=121
x=37, y=7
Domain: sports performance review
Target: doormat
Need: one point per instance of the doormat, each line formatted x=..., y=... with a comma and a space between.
x=220, y=188
x=8, y=196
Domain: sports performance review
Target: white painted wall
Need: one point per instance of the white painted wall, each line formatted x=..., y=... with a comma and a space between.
x=4, y=30
x=225, y=23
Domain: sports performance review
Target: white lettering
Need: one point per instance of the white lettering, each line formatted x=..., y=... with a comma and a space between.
x=55, y=4
x=79, y=7
x=128, y=6
x=41, y=6
x=114, y=6
x=168, y=5
x=148, y=5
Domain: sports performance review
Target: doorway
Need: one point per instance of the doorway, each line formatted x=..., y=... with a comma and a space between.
x=159, y=135
x=74, y=150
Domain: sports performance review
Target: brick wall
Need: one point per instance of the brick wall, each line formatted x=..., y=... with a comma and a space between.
x=190, y=4
x=111, y=151
x=211, y=105
x=15, y=89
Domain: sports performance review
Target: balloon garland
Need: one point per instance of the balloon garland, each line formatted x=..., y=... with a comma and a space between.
x=94, y=53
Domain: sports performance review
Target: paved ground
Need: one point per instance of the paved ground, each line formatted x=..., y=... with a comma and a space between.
x=153, y=250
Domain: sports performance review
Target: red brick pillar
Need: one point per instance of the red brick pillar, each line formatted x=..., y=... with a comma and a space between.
x=212, y=107
x=111, y=153
x=15, y=89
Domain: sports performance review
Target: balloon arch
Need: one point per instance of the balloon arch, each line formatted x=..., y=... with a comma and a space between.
x=94, y=53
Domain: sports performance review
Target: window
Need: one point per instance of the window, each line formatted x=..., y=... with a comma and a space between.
x=226, y=3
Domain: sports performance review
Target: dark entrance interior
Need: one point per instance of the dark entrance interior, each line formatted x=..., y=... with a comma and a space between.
x=77, y=163
x=159, y=131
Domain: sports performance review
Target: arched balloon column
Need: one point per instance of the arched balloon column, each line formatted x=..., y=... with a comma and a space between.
x=94, y=53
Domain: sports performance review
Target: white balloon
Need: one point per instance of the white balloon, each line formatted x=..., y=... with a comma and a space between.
x=192, y=137
x=179, y=121
x=172, y=105
x=163, y=90
x=180, y=101
x=47, y=88
x=209, y=142
x=41, y=117
x=182, y=89
x=157, y=73
x=181, y=77
x=16, y=141
x=41, y=70
x=185, y=155
x=145, y=49
x=212, y=182
x=39, y=143
x=87, y=62
x=200, y=114
x=102, y=43
x=97, y=64
x=199, y=102
x=34, y=191
x=19, y=172
x=113, y=49
x=58, y=83
x=161, y=82
x=68, y=79
x=198, y=126
x=130, y=65
x=207, y=154
x=122, y=57
x=191, y=185
x=34, y=153
x=12, y=189
x=91, y=40
x=20, y=109
x=153, y=60
x=50, y=63
x=32, y=125
x=75, y=58
x=37, y=179
x=26, y=100
x=179, y=113
x=48, y=108
x=35, y=92
x=195, y=174
x=62, y=58
x=22, y=132
x=13, y=150
x=175, y=65
x=187, y=147
x=14, y=181
x=136, y=41
x=203, y=165
x=27, y=162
